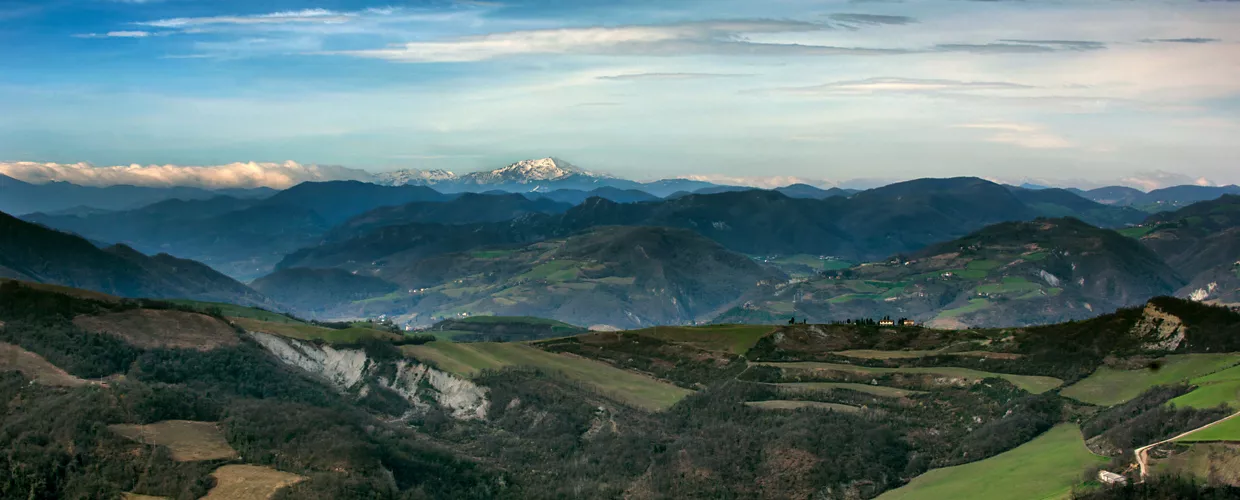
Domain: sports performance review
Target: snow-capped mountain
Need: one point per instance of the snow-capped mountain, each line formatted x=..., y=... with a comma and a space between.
x=528, y=172
x=415, y=177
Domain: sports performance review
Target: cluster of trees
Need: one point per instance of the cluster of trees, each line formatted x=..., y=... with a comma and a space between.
x=680, y=364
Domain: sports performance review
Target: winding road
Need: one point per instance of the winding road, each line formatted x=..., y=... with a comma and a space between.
x=1142, y=452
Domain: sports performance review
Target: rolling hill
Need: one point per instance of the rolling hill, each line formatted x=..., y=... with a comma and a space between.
x=1013, y=273
x=18, y=197
x=1202, y=242
x=617, y=276
x=34, y=253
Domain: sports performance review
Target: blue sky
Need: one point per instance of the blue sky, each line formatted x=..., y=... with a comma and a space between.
x=1140, y=92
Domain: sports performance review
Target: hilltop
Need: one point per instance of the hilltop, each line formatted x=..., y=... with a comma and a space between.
x=1012, y=273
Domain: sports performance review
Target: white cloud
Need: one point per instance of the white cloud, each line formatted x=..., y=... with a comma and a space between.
x=232, y=175
x=1160, y=179
x=1021, y=134
x=892, y=84
x=116, y=34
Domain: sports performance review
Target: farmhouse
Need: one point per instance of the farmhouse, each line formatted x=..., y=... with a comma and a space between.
x=907, y=322
x=1108, y=477
x=886, y=322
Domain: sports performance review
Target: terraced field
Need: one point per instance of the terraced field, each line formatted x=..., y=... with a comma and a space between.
x=877, y=390
x=736, y=339
x=469, y=359
x=1108, y=386
x=1044, y=468
x=799, y=405
x=1031, y=383
x=304, y=331
x=873, y=354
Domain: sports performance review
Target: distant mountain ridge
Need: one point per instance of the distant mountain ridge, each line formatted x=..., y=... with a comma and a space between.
x=1158, y=200
x=19, y=198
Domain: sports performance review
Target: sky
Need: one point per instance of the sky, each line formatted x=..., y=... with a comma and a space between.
x=1063, y=92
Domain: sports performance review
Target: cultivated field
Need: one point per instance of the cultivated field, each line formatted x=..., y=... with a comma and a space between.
x=736, y=339
x=1227, y=430
x=469, y=359
x=877, y=390
x=189, y=441
x=70, y=291
x=1222, y=387
x=1108, y=386
x=798, y=405
x=35, y=367
x=1213, y=462
x=236, y=311
x=1046, y=467
x=304, y=331
x=872, y=354
x=249, y=482
x=162, y=328
x=1031, y=383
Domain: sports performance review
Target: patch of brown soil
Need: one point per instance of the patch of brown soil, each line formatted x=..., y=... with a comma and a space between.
x=156, y=328
x=249, y=482
x=189, y=441
x=35, y=367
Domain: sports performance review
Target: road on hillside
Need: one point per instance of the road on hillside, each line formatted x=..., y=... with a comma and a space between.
x=1142, y=452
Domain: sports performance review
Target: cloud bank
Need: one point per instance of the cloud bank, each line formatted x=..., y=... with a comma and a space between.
x=232, y=175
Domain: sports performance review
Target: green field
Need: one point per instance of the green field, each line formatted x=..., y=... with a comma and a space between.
x=799, y=405
x=983, y=265
x=1047, y=467
x=1218, y=388
x=236, y=311
x=736, y=339
x=303, y=331
x=973, y=306
x=1108, y=386
x=1135, y=232
x=1031, y=383
x=556, y=270
x=469, y=359
x=1010, y=284
x=877, y=390
x=1228, y=430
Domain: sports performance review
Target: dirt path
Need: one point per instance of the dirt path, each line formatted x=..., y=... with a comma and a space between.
x=1143, y=452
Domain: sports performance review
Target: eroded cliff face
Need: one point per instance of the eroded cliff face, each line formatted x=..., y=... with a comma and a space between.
x=352, y=372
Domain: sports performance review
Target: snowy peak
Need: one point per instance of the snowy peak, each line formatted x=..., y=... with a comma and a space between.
x=527, y=171
x=415, y=177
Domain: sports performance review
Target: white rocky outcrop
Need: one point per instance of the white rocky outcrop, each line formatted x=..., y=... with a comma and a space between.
x=350, y=371
x=1165, y=331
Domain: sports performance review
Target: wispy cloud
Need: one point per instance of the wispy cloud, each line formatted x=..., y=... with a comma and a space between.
x=1179, y=40
x=892, y=84
x=870, y=19
x=297, y=16
x=672, y=76
x=1011, y=46
x=1021, y=134
x=708, y=37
